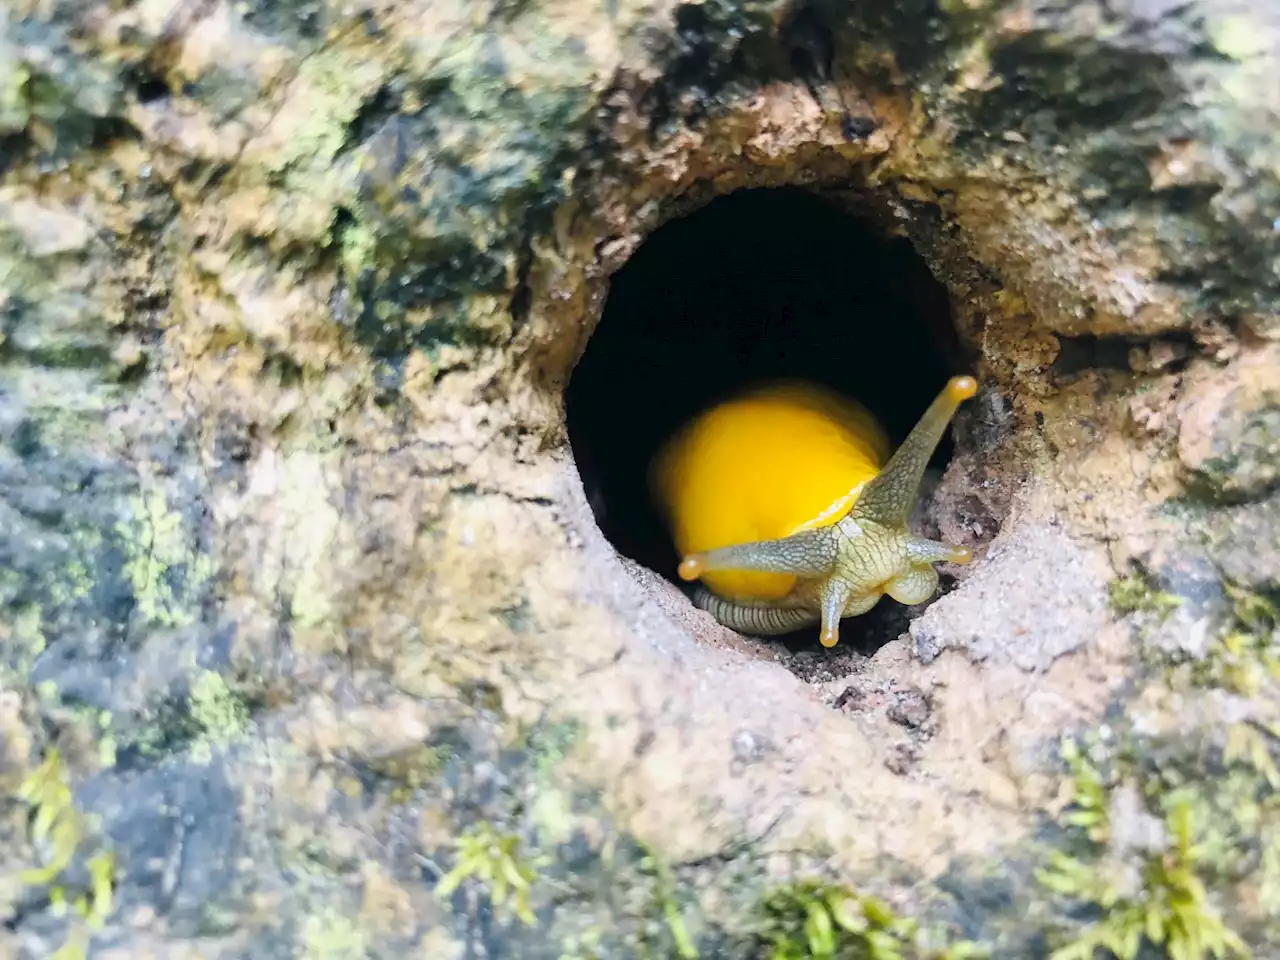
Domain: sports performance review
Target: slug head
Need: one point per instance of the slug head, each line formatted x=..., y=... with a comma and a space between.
x=845, y=568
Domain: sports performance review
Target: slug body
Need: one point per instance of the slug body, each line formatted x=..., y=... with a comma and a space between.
x=785, y=502
x=764, y=465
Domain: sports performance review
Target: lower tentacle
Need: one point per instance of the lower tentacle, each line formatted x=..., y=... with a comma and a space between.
x=761, y=620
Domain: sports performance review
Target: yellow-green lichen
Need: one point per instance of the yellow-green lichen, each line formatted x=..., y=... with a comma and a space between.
x=15, y=101
x=332, y=936
x=1239, y=37
x=26, y=639
x=325, y=97
x=218, y=713
x=216, y=709
x=306, y=550
x=299, y=153
x=583, y=946
x=157, y=549
x=494, y=860
x=357, y=246
x=107, y=747
x=552, y=814
x=213, y=714
x=73, y=586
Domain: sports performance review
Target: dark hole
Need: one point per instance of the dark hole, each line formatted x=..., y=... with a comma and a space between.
x=1078, y=354
x=152, y=91
x=149, y=87
x=756, y=285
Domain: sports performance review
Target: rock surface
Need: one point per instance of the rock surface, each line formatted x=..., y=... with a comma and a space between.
x=1229, y=436
x=300, y=592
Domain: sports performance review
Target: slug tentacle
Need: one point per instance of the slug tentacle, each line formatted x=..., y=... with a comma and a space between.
x=835, y=595
x=890, y=496
x=809, y=553
x=759, y=618
x=920, y=550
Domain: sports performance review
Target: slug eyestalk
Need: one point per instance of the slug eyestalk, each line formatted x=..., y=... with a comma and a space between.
x=845, y=568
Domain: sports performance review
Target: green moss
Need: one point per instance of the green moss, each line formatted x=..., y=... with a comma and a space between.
x=1135, y=594
x=1244, y=656
x=815, y=919
x=1215, y=791
x=1160, y=896
x=1088, y=793
x=495, y=861
x=1171, y=910
x=668, y=905
x=1241, y=662
x=1252, y=610
x=57, y=823
x=958, y=8
x=1247, y=744
x=56, y=820
x=550, y=745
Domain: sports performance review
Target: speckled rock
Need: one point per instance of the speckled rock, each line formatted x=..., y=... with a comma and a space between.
x=1057, y=595
x=1229, y=434
x=300, y=587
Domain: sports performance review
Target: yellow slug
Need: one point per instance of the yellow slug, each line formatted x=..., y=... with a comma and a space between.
x=785, y=502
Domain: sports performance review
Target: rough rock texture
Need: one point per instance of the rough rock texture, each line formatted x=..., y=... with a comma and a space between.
x=1229, y=434
x=298, y=582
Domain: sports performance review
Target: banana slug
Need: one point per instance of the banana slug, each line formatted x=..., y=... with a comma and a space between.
x=785, y=502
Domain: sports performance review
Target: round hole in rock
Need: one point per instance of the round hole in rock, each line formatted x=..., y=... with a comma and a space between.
x=756, y=285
